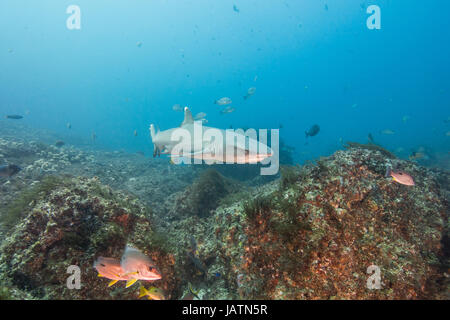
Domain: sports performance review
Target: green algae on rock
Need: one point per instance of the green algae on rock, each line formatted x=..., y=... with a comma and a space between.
x=15, y=211
x=204, y=194
x=71, y=224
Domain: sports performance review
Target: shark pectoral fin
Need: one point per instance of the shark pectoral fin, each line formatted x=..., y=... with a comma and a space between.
x=130, y=282
x=112, y=283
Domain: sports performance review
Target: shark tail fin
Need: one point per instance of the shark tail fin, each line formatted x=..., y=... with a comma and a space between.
x=187, y=117
x=153, y=134
x=152, y=131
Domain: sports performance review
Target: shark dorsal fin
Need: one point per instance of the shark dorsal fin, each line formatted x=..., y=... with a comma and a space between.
x=187, y=117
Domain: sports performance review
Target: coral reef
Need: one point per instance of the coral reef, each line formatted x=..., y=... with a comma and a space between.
x=203, y=196
x=72, y=223
x=311, y=234
x=370, y=146
x=315, y=237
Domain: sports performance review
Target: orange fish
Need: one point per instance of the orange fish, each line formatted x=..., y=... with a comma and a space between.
x=138, y=265
x=133, y=266
x=400, y=177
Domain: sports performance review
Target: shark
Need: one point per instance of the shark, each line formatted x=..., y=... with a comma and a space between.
x=195, y=141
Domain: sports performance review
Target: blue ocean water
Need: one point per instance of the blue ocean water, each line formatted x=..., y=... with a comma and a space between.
x=311, y=62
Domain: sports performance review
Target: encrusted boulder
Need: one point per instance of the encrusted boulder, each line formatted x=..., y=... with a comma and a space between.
x=204, y=195
x=72, y=223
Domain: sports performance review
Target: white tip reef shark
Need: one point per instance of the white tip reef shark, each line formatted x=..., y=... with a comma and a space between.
x=195, y=141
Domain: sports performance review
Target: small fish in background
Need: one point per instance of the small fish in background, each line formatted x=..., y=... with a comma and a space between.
x=255, y=78
x=235, y=9
x=8, y=170
x=200, y=116
x=69, y=125
x=370, y=139
x=326, y=7
x=314, y=130
x=227, y=110
x=135, y=133
x=139, y=44
x=417, y=155
x=197, y=263
x=177, y=107
x=59, y=143
x=405, y=118
x=192, y=254
x=400, y=177
x=13, y=116
x=387, y=132
x=193, y=244
x=152, y=293
x=251, y=91
x=223, y=101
